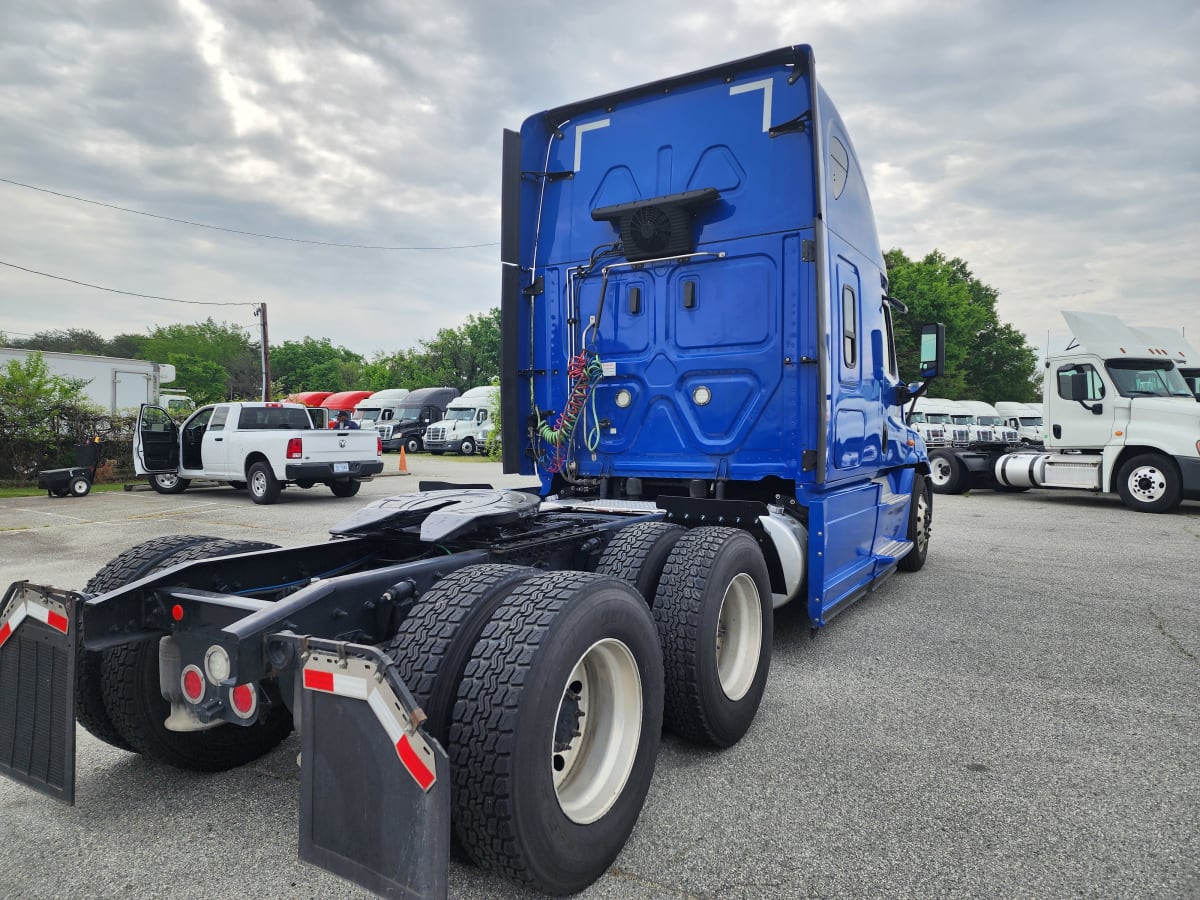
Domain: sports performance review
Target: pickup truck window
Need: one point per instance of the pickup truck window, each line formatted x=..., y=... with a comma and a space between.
x=217, y=422
x=260, y=418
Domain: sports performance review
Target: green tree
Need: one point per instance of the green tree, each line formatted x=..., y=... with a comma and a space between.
x=227, y=346
x=39, y=412
x=986, y=359
x=69, y=340
x=315, y=365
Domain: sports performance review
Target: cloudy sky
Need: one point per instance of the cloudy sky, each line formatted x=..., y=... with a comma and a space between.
x=1055, y=146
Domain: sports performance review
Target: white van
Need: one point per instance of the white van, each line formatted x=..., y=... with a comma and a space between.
x=468, y=423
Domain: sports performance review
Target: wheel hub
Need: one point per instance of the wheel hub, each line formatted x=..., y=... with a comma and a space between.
x=596, y=731
x=739, y=636
x=1147, y=484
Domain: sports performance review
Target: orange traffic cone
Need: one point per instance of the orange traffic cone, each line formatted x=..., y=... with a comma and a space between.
x=403, y=462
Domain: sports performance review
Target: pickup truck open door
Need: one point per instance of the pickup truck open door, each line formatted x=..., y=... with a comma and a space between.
x=155, y=442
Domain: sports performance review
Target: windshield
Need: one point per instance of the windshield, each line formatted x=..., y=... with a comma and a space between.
x=918, y=417
x=1147, y=378
x=1031, y=421
x=408, y=412
x=366, y=415
x=963, y=420
x=460, y=415
x=989, y=420
x=937, y=418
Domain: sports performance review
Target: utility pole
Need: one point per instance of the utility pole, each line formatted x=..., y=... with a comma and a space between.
x=261, y=312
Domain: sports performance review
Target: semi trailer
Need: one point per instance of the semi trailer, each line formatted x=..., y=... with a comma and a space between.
x=699, y=379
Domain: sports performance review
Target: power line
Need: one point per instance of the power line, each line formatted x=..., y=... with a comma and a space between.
x=131, y=293
x=272, y=237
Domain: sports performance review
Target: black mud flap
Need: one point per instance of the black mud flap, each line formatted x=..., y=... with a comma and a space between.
x=375, y=789
x=37, y=688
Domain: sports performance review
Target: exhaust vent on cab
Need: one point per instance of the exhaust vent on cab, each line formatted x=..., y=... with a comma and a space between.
x=660, y=226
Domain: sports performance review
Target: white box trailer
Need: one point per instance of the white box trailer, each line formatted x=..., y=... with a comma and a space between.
x=114, y=384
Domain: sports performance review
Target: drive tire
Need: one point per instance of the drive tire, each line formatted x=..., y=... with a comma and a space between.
x=127, y=567
x=169, y=483
x=262, y=484
x=638, y=553
x=947, y=474
x=413, y=444
x=347, y=488
x=1150, y=482
x=564, y=650
x=138, y=710
x=920, y=525
x=712, y=608
x=80, y=487
x=467, y=448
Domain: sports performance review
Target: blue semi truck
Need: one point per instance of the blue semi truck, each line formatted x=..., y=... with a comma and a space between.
x=700, y=380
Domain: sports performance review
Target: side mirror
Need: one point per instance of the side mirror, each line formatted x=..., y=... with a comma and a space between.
x=933, y=350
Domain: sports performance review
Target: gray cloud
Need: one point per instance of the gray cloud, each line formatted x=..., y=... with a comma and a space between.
x=1051, y=145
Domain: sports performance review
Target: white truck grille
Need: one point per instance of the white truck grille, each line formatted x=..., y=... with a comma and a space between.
x=435, y=433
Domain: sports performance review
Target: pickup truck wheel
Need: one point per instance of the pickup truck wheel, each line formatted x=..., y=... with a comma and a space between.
x=413, y=444
x=264, y=487
x=920, y=525
x=947, y=475
x=169, y=483
x=715, y=623
x=467, y=448
x=347, y=488
x=80, y=487
x=1149, y=482
x=134, y=563
x=556, y=730
x=637, y=554
x=138, y=710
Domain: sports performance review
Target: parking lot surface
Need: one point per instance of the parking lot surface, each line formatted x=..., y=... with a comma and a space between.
x=1020, y=718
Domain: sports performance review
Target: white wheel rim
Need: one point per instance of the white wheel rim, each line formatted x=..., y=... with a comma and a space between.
x=1147, y=484
x=739, y=636
x=922, y=522
x=167, y=481
x=80, y=486
x=592, y=753
x=939, y=471
x=258, y=482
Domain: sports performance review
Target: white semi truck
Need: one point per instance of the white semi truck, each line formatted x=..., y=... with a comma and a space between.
x=1119, y=418
x=115, y=385
x=468, y=424
x=1025, y=418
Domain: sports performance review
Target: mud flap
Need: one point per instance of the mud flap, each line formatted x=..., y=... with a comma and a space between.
x=375, y=790
x=37, y=688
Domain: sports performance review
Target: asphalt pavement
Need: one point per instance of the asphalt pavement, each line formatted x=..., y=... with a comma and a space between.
x=1020, y=718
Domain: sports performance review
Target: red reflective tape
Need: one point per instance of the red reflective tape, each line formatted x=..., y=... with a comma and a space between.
x=416, y=767
x=4, y=633
x=56, y=621
x=318, y=681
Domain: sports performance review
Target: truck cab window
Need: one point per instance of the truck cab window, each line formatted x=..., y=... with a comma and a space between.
x=1147, y=378
x=1080, y=382
x=849, y=328
x=889, y=343
x=217, y=423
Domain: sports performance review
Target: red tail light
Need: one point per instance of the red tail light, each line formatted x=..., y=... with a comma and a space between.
x=243, y=699
x=379, y=446
x=192, y=683
x=295, y=448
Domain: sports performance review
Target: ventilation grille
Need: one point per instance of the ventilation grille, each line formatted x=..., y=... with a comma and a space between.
x=661, y=226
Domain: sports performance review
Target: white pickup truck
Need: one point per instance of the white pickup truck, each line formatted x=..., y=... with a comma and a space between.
x=259, y=447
